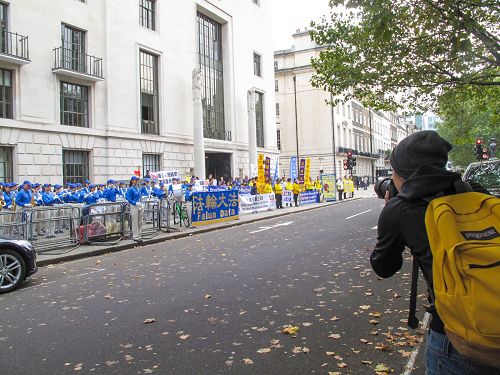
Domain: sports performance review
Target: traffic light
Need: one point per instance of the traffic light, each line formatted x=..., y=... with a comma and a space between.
x=493, y=147
x=354, y=161
x=346, y=164
x=349, y=160
x=478, y=148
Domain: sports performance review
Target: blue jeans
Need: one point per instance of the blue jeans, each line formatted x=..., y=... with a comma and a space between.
x=442, y=359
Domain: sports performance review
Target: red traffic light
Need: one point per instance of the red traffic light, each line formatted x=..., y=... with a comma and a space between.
x=479, y=141
x=349, y=154
x=486, y=156
x=345, y=163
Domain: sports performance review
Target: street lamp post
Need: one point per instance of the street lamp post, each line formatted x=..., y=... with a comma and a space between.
x=333, y=137
x=296, y=120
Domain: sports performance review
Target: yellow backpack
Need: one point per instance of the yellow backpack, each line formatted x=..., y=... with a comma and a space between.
x=464, y=236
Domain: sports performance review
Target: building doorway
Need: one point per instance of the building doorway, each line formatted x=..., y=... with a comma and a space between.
x=218, y=165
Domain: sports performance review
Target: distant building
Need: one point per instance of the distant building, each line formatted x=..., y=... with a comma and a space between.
x=309, y=128
x=425, y=121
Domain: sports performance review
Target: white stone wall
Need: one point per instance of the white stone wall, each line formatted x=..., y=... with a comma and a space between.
x=114, y=137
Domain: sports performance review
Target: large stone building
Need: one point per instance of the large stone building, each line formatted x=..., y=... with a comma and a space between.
x=94, y=88
x=310, y=128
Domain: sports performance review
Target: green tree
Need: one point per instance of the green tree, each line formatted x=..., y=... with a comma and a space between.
x=465, y=113
x=406, y=53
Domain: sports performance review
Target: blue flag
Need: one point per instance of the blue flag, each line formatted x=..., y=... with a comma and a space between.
x=293, y=167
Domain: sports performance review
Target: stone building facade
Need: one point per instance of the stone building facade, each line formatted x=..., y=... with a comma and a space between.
x=93, y=89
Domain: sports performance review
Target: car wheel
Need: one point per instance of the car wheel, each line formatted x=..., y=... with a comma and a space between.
x=12, y=270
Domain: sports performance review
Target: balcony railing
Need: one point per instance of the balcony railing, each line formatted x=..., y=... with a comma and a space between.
x=14, y=45
x=344, y=150
x=220, y=134
x=73, y=61
x=150, y=127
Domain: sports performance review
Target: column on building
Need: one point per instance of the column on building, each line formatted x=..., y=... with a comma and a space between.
x=199, y=145
x=252, y=135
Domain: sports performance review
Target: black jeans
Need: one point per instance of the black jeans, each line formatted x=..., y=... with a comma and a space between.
x=295, y=199
x=279, y=201
x=341, y=194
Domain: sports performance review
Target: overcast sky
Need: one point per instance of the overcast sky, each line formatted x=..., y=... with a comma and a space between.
x=290, y=15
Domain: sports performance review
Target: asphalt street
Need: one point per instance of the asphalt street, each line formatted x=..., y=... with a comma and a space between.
x=216, y=303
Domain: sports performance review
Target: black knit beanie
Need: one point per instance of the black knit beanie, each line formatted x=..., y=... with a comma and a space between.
x=425, y=147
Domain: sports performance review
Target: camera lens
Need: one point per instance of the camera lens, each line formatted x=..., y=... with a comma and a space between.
x=382, y=186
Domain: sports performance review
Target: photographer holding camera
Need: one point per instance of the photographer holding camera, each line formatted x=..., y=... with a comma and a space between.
x=420, y=175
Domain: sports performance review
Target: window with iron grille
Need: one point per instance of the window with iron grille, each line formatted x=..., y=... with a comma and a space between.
x=257, y=62
x=6, y=97
x=277, y=109
x=209, y=54
x=147, y=13
x=276, y=85
x=6, y=164
x=259, y=117
x=73, y=48
x=275, y=65
x=149, y=93
x=74, y=105
x=278, y=139
x=75, y=166
x=150, y=162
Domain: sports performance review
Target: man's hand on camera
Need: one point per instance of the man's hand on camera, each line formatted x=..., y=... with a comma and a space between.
x=387, y=196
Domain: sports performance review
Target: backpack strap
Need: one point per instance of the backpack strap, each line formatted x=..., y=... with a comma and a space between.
x=412, y=317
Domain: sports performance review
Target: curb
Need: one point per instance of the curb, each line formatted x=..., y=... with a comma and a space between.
x=153, y=241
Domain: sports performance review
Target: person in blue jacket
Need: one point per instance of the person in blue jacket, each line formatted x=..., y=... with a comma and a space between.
x=91, y=197
x=23, y=198
x=48, y=200
x=111, y=192
x=133, y=197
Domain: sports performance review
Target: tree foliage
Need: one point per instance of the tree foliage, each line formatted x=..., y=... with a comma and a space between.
x=405, y=53
x=466, y=113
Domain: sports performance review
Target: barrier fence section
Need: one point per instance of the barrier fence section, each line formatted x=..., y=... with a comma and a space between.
x=151, y=217
x=103, y=222
x=53, y=227
x=13, y=224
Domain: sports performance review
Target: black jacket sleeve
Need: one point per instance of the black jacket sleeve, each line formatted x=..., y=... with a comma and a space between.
x=387, y=258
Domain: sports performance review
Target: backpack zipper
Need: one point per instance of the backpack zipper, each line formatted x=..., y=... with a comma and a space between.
x=485, y=265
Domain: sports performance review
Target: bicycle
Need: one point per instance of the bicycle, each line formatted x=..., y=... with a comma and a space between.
x=180, y=212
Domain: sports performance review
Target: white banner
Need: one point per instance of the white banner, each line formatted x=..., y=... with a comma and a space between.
x=164, y=176
x=257, y=203
x=287, y=197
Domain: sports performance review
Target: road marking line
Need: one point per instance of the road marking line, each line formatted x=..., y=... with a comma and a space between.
x=361, y=213
x=36, y=286
x=88, y=273
x=414, y=354
x=262, y=229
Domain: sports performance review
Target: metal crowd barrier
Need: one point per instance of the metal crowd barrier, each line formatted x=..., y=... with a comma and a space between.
x=53, y=227
x=164, y=216
x=13, y=225
x=103, y=222
x=151, y=217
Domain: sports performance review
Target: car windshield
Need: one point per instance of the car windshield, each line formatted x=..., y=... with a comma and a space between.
x=488, y=175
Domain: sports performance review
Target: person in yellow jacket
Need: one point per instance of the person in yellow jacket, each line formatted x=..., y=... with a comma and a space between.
x=309, y=185
x=268, y=189
x=296, y=191
x=289, y=185
x=350, y=185
x=278, y=191
x=318, y=185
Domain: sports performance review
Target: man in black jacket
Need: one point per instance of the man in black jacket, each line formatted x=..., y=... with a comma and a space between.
x=419, y=164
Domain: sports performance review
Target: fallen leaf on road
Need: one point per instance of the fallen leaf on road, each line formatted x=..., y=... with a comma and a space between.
x=307, y=324
x=382, y=346
x=78, y=366
x=364, y=307
x=334, y=318
x=366, y=362
x=108, y=296
x=334, y=373
x=183, y=337
x=247, y=361
x=149, y=321
x=341, y=364
x=375, y=314
x=330, y=353
x=207, y=296
x=382, y=369
x=264, y=350
x=275, y=342
x=374, y=322
x=128, y=357
x=334, y=336
x=290, y=330
x=305, y=350
x=297, y=349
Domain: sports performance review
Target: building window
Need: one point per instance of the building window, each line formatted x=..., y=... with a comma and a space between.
x=259, y=116
x=278, y=139
x=209, y=51
x=147, y=10
x=73, y=48
x=276, y=86
x=257, y=68
x=75, y=166
x=277, y=109
x=74, y=105
x=6, y=96
x=148, y=64
x=6, y=164
x=150, y=162
x=275, y=65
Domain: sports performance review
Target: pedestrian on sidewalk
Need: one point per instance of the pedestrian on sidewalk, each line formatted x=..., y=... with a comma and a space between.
x=340, y=188
x=365, y=183
x=344, y=182
x=133, y=197
x=278, y=191
x=350, y=185
x=296, y=192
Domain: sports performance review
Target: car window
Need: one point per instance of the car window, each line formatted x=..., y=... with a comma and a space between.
x=488, y=175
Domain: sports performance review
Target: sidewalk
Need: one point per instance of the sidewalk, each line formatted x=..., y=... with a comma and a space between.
x=53, y=257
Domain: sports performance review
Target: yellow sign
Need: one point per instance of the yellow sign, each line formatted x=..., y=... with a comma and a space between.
x=260, y=169
x=308, y=170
